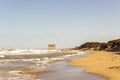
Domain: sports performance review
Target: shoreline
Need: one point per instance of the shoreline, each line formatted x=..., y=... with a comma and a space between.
x=60, y=68
x=106, y=64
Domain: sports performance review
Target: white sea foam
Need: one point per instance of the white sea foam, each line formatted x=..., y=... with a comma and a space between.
x=2, y=56
x=37, y=63
x=26, y=51
x=80, y=53
x=14, y=72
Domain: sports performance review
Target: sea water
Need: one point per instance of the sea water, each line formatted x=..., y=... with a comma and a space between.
x=14, y=61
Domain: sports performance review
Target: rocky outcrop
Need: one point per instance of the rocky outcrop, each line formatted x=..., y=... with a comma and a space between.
x=113, y=45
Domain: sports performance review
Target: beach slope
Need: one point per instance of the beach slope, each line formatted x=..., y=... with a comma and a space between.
x=106, y=64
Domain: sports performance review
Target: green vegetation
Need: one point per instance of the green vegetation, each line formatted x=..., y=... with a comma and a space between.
x=113, y=45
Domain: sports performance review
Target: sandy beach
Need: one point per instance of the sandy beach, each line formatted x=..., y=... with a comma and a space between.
x=103, y=63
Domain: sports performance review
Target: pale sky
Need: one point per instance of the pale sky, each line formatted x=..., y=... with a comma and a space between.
x=67, y=23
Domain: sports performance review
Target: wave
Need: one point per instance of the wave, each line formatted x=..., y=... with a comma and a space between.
x=11, y=65
x=27, y=51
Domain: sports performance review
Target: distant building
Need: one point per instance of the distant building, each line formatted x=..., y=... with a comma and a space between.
x=51, y=46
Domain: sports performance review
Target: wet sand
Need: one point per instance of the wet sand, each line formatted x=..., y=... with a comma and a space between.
x=61, y=70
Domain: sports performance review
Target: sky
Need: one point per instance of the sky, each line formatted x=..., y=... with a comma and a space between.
x=67, y=23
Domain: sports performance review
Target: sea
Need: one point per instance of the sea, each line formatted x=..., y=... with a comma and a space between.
x=14, y=61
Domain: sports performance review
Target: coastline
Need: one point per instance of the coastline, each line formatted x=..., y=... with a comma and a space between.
x=106, y=64
x=62, y=70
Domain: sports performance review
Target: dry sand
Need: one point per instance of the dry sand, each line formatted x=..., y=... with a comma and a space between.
x=106, y=64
